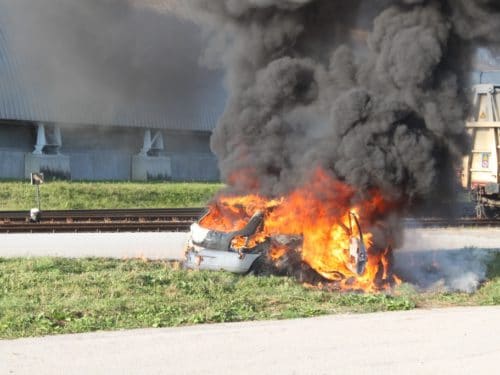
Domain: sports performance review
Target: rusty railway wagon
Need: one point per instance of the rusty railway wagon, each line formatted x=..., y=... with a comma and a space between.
x=481, y=168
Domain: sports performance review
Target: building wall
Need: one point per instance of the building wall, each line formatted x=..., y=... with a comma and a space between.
x=97, y=165
x=11, y=164
x=15, y=141
x=105, y=153
x=19, y=137
x=98, y=153
x=194, y=167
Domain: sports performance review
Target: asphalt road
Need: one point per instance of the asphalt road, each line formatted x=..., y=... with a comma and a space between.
x=167, y=245
x=447, y=341
x=152, y=245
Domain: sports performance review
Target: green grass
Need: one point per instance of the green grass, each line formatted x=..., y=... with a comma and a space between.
x=53, y=296
x=60, y=195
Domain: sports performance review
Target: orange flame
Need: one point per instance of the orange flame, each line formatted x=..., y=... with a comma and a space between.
x=319, y=211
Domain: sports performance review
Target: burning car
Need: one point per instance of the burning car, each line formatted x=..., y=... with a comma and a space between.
x=313, y=233
x=214, y=250
x=237, y=251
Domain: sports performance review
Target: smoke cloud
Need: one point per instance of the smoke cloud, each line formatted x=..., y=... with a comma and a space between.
x=448, y=270
x=372, y=91
x=107, y=54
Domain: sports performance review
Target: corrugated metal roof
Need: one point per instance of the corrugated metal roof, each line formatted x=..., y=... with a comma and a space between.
x=26, y=100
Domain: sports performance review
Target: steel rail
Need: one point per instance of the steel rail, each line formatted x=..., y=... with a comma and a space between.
x=105, y=215
x=114, y=220
x=451, y=223
x=96, y=227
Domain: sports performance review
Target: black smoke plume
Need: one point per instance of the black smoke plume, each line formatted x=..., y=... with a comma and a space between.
x=371, y=91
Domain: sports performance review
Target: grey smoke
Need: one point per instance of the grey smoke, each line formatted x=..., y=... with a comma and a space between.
x=487, y=61
x=447, y=270
x=106, y=54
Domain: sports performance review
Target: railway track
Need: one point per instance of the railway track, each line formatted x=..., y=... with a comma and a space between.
x=117, y=220
x=453, y=223
x=115, y=214
x=161, y=220
x=96, y=227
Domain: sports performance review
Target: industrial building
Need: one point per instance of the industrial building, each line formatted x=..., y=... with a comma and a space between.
x=80, y=122
x=93, y=91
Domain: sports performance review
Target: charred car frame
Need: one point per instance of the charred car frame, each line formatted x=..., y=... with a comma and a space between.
x=213, y=250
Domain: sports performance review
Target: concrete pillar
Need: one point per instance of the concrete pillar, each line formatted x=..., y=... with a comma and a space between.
x=146, y=168
x=146, y=143
x=147, y=165
x=52, y=165
x=57, y=166
x=41, y=141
